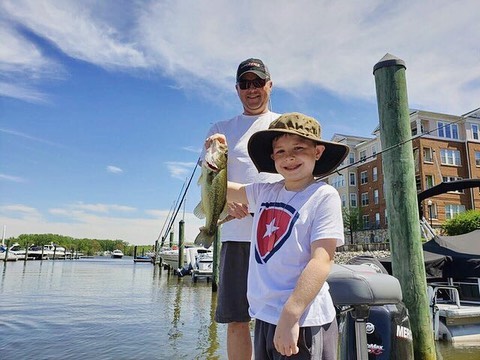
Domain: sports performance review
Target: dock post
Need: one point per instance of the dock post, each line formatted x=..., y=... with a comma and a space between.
x=401, y=199
x=216, y=259
x=26, y=250
x=135, y=252
x=54, y=251
x=7, y=244
x=181, y=240
x=171, y=239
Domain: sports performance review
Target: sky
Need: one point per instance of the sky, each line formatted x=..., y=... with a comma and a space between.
x=104, y=105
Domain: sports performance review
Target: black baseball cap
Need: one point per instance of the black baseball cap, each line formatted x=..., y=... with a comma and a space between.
x=255, y=66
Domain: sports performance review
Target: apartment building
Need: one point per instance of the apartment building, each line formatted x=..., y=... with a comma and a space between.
x=445, y=148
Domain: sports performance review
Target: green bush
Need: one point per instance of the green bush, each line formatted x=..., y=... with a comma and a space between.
x=462, y=223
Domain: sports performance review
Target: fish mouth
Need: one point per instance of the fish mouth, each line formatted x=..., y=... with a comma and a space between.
x=211, y=166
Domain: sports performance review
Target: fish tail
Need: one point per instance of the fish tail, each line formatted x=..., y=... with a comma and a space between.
x=204, y=238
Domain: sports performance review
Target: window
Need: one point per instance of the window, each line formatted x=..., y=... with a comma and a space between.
x=351, y=157
x=429, y=181
x=477, y=158
x=374, y=151
x=452, y=210
x=450, y=157
x=418, y=183
x=363, y=177
x=446, y=130
x=363, y=155
x=386, y=217
x=338, y=181
x=374, y=174
x=377, y=220
x=344, y=200
x=375, y=197
x=353, y=200
x=475, y=131
x=364, y=199
x=353, y=178
x=366, y=222
x=427, y=155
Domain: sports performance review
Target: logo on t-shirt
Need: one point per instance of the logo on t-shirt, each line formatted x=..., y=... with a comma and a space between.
x=274, y=226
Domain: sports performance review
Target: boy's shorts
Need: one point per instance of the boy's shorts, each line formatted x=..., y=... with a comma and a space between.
x=316, y=342
x=232, y=304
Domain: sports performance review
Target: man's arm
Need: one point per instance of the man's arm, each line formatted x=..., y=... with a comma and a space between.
x=308, y=286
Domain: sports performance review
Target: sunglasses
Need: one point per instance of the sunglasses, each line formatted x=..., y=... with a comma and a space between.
x=257, y=83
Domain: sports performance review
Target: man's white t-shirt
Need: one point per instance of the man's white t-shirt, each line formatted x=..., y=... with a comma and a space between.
x=284, y=226
x=240, y=167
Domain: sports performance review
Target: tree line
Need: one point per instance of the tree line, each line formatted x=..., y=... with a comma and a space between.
x=86, y=246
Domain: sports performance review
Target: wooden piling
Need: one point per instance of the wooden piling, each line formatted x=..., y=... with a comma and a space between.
x=181, y=241
x=7, y=244
x=401, y=199
x=216, y=259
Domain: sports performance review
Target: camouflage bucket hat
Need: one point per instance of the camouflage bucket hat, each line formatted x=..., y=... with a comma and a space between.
x=260, y=144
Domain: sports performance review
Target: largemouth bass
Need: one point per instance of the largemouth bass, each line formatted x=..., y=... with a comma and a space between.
x=213, y=182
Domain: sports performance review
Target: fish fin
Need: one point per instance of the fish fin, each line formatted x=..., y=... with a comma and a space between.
x=198, y=211
x=225, y=219
x=224, y=214
x=204, y=239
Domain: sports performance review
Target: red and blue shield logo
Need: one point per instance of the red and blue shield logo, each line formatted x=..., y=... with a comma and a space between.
x=274, y=226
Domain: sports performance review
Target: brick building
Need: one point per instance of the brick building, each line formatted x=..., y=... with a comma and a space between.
x=446, y=148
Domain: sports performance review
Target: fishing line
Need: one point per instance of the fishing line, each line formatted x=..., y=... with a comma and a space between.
x=183, y=197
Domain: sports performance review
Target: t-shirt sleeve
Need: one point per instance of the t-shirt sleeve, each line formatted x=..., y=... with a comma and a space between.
x=328, y=222
x=252, y=191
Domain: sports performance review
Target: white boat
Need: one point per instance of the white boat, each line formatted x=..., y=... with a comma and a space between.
x=202, y=267
x=117, y=254
x=9, y=256
x=18, y=251
x=169, y=258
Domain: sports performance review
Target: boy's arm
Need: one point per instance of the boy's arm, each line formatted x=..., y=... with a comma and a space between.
x=236, y=193
x=308, y=285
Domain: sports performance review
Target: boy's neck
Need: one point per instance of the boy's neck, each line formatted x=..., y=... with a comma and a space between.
x=299, y=185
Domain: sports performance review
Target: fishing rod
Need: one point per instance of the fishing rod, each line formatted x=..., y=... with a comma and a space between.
x=183, y=197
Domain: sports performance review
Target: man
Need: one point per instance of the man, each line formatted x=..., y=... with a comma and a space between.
x=253, y=85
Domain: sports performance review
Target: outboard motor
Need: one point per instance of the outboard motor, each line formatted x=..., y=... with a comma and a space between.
x=373, y=322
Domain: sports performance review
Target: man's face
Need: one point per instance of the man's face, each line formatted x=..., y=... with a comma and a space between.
x=254, y=100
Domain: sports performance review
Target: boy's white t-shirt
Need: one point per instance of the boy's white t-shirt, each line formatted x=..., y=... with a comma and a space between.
x=285, y=224
x=240, y=167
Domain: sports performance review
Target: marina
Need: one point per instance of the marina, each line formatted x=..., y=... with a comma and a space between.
x=116, y=308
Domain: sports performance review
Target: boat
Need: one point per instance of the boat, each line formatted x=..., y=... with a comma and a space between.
x=452, y=269
x=4, y=254
x=144, y=259
x=18, y=251
x=117, y=254
x=56, y=251
x=196, y=261
x=202, y=267
x=169, y=258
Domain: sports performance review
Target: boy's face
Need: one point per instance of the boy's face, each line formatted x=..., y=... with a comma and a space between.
x=295, y=156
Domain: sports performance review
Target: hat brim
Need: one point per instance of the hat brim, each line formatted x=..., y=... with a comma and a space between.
x=260, y=151
x=260, y=74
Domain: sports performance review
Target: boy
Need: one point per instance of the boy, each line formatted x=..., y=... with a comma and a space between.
x=297, y=226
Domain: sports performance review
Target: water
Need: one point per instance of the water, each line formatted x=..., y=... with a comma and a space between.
x=106, y=308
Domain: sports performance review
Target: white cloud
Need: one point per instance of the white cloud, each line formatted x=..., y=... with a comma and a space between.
x=328, y=45
x=12, y=178
x=139, y=230
x=114, y=170
x=180, y=170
